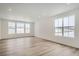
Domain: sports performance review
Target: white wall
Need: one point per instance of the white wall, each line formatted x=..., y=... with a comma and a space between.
x=43, y=28
x=46, y=29
x=4, y=28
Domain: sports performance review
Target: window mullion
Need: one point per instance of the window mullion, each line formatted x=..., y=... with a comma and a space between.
x=62, y=27
x=15, y=27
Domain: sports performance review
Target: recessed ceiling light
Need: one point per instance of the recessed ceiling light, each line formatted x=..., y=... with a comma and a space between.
x=10, y=9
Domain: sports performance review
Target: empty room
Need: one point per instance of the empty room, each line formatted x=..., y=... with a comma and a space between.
x=39, y=29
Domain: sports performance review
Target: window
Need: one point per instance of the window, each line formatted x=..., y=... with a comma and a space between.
x=11, y=27
x=69, y=24
x=65, y=26
x=58, y=27
x=27, y=28
x=19, y=27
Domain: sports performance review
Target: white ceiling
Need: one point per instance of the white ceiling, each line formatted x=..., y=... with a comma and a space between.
x=33, y=10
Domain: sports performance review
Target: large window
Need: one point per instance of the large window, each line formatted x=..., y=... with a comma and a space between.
x=27, y=28
x=19, y=27
x=65, y=26
x=11, y=27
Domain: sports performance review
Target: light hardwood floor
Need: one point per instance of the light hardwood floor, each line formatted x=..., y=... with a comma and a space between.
x=33, y=46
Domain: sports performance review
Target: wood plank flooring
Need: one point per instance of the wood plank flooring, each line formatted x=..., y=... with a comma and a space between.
x=33, y=46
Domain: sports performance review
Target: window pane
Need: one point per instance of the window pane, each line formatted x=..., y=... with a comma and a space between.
x=66, y=34
x=11, y=24
x=27, y=28
x=56, y=23
x=27, y=25
x=11, y=27
x=65, y=21
x=72, y=20
x=20, y=28
x=71, y=34
x=56, y=30
x=60, y=22
x=11, y=31
x=72, y=26
x=66, y=29
x=28, y=31
x=20, y=25
x=60, y=30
